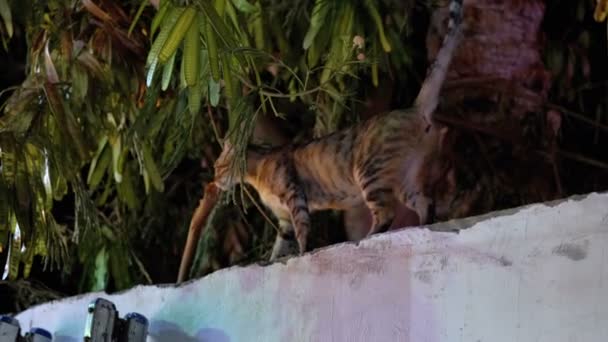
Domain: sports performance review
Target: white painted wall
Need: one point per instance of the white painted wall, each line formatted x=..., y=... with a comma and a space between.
x=539, y=273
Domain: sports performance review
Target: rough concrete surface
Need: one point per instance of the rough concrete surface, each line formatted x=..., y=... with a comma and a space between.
x=539, y=273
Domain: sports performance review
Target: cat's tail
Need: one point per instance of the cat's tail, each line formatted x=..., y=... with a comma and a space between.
x=428, y=97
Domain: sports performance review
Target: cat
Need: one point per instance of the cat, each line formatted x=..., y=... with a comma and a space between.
x=389, y=158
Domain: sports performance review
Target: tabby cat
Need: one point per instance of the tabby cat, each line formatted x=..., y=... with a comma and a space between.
x=388, y=158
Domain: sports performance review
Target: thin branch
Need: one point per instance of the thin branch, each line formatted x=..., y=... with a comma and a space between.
x=578, y=116
x=583, y=159
x=213, y=125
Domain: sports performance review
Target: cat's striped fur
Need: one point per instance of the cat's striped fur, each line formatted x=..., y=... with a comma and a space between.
x=387, y=158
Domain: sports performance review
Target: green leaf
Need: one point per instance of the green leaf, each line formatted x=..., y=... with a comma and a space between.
x=229, y=86
x=156, y=123
x=214, y=92
x=20, y=111
x=80, y=83
x=28, y=260
x=116, y=143
x=338, y=53
x=259, y=33
x=146, y=178
x=119, y=266
x=140, y=10
x=244, y=6
x=45, y=175
x=40, y=245
x=100, y=273
x=158, y=18
x=18, y=123
x=168, y=23
x=212, y=48
x=14, y=252
x=195, y=97
x=168, y=72
x=151, y=71
x=9, y=163
x=90, y=62
x=225, y=35
x=204, y=65
x=317, y=20
x=101, y=200
x=66, y=118
x=373, y=12
x=36, y=247
x=169, y=20
x=220, y=7
x=152, y=169
x=24, y=204
x=58, y=182
x=5, y=212
x=100, y=163
x=237, y=24
x=5, y=13
x=126, y=190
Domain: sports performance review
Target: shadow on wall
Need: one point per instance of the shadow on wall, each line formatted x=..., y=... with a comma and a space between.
x=62, y=338
x=164, y=331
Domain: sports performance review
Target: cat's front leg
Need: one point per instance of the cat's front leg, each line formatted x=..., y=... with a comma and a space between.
x=423, y=205
x=295, y=199
x=285, y=243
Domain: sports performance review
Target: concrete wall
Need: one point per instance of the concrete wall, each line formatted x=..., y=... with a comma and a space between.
x=538, y=273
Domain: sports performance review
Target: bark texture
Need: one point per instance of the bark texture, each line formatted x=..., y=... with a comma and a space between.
x=493, y=100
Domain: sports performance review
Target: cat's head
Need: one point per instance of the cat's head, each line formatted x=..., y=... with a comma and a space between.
x=453, y=196
x=225, y=174
x=230, y=172
x=445, y=179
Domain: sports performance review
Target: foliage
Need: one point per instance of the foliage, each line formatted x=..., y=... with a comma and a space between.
x=101, y=120
x=576, y=59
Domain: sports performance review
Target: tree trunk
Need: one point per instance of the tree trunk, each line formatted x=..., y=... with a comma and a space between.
x=493, y=99
x=498, y=85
